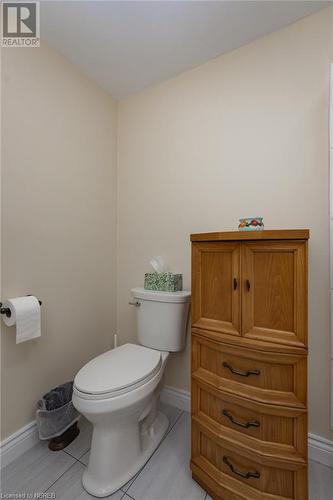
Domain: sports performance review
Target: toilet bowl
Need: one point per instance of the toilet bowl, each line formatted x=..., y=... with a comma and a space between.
x=120, y=404
x=118, y=393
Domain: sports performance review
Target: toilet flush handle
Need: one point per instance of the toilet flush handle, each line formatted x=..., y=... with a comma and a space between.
x=136, y=304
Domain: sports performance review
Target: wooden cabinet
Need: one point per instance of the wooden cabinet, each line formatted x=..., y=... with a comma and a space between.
x=249, y=364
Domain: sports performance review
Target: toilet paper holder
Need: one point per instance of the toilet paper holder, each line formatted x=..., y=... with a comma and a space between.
x=6, y=310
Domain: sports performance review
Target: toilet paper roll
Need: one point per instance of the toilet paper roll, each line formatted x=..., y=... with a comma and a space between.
x=25, y=314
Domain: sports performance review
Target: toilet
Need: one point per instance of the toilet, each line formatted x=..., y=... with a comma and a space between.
x=118, y=391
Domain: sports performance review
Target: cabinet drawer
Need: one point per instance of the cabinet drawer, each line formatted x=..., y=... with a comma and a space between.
x=267, y=377
x=281, y=480
x=275, y=429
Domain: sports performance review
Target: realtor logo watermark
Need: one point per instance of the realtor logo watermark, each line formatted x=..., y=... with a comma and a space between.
x=20, y=24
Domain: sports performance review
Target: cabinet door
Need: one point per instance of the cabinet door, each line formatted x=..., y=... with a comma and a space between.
x=274, y=291
x=215, y=286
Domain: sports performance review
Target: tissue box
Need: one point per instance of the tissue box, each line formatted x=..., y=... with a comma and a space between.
x=164, y=282
x=251, y=224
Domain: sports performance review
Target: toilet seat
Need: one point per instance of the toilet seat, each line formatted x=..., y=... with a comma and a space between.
x=117, y=372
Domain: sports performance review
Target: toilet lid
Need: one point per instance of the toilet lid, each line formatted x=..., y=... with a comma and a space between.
x=118, y=369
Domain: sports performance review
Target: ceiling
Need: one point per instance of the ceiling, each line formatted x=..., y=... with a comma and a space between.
x=127, y=46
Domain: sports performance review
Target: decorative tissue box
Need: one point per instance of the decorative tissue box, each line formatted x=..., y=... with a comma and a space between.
x=251, y=224
x=164, y=282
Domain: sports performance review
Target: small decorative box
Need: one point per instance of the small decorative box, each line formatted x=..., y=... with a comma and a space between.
x=164, y=282
x=251, y=224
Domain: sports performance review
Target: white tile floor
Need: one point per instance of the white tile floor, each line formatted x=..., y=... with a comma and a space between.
x=166, y=476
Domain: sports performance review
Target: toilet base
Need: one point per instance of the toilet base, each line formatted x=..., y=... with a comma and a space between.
x=150, y=439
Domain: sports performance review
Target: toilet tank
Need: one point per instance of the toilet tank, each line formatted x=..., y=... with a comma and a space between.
x=161, y=318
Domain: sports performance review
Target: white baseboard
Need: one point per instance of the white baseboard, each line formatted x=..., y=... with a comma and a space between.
x=18, y=443
x=320, y=449
x=176, y=397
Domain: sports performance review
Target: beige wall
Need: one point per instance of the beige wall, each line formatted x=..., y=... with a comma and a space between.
x=244, y=134
x=58, y=226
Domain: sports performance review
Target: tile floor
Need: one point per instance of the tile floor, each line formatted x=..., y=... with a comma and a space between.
x=165, y=476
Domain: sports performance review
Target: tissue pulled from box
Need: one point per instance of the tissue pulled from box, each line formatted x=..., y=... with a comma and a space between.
x=158, y=264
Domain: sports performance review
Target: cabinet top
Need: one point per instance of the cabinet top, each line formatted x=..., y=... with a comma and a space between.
x=276, y=234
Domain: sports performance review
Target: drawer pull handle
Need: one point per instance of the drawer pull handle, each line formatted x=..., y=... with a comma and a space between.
x=235, y=283
x=245, y=475
x=240, y=372
x=248, y=285
x=245, y=425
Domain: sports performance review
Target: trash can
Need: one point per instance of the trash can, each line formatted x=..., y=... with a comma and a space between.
x=57, y=418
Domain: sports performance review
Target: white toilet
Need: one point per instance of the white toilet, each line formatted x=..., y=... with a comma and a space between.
x=118, y=392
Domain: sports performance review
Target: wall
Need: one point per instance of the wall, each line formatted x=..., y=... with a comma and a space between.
x=246, y=133
x=58, y=225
